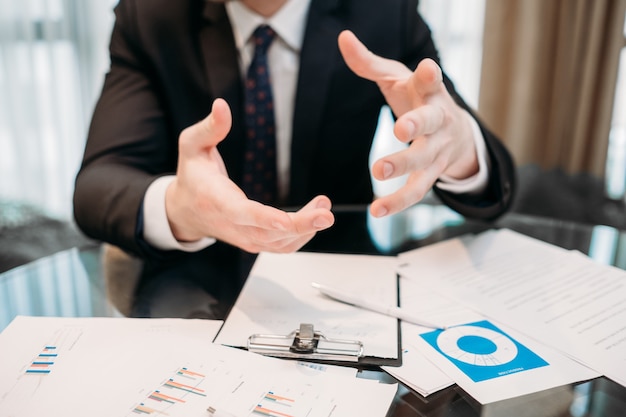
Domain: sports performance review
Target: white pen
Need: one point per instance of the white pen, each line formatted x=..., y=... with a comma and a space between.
x=392, y=311
x=219, y=413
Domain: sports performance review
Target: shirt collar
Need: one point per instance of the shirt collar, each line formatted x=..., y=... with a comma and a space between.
x=289, y=22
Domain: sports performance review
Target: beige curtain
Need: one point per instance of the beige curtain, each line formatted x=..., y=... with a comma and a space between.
x=548, y=79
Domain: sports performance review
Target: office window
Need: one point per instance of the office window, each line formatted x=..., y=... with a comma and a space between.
x=52, y=60
x=457, y=27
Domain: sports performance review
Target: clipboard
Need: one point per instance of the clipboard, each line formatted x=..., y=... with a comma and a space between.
x=278, y=313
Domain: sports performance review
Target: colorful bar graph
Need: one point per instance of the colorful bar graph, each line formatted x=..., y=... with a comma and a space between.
x=270, y=396
x=142, y=409
x=159, y=396
x=48, y=351
x=44, y=360
x=188, y=373
x=188, y=388
x=159, y=402
x=274, y=400
x=259, y=409
x=37, y=371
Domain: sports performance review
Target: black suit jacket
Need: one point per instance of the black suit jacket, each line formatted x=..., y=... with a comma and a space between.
x=171, y=59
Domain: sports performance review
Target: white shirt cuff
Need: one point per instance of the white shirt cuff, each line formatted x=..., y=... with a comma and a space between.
x=156, y=227
x=477, y=182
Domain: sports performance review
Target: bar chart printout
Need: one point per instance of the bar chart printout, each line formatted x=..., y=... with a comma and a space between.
x=192, y=390
x=274, y=405
x=293, y=404
x=95, y=366
x=164, y=368
x=44, y=361
x=175, y=390
x=58, y=345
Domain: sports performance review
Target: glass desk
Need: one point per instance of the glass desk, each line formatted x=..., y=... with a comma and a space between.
x=71, y=284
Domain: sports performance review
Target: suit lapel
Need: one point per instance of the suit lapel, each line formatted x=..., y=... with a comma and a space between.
x=223, y=74
x=318, y=57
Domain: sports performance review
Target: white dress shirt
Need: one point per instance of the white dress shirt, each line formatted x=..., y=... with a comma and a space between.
x=289, y=24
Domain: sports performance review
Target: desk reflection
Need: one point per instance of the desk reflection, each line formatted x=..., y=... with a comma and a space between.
x=66, y=284
x=72, y=283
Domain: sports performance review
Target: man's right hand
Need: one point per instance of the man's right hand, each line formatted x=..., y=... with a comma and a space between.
x=202, y=201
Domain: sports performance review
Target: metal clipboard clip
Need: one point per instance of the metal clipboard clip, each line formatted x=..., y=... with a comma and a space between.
x=306, y=343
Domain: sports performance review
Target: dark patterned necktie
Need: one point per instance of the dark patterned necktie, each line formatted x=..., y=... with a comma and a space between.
x=259, y=176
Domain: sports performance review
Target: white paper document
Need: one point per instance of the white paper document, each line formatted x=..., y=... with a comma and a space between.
x=558, y=297
x=488, y=360
x=278, y=297
x=418, y=372
x=128, y=367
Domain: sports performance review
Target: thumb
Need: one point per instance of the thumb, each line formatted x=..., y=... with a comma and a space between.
x=208, y=132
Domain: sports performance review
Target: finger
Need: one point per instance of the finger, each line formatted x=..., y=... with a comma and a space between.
x=395, y=165
x=292, y=244
x=320, y=202
x=208, y=132
x=427, y=78
x=422, y=121
x=274, y=230
x=303, y=224
x=365, y=63
x=253, y=226
x=416, y=187
x=313, y=217
x=423, y=153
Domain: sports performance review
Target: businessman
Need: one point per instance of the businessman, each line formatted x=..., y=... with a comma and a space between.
x=171, y=171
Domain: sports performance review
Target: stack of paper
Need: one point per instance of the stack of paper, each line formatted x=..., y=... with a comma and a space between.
x=487, y=357
x=128, y=367
x=541, y=305
x=278, y=296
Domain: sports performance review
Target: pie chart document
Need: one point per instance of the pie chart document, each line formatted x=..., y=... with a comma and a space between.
x=489, y=360
x=562, y=298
